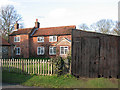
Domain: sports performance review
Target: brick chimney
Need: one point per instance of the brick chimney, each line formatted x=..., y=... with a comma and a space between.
x=16, y=26
x=37, y=24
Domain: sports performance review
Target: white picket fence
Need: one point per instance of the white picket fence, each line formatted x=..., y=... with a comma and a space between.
x=30, y=66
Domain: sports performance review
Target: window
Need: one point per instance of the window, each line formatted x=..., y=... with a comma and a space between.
x=40, y=51
x=16, y=39
x=40, y=39
x=52, y=50
x=17, y=50
x=52, y=38
x=63, y=49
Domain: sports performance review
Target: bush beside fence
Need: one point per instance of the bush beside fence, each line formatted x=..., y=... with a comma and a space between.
x=30, y=66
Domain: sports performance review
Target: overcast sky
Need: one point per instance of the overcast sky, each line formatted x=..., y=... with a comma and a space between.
x=51, y=13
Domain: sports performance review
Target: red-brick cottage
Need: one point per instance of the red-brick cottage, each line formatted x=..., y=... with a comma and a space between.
x=41, y=42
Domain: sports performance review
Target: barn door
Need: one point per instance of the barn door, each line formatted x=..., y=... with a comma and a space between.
x=86, y=57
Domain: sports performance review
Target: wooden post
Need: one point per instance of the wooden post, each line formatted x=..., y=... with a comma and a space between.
x=13, y=65
x=17, y=65
x=9, y=65
x=33, y=66
x=43, y=66
x=38, y=66
x=6, y=64
x=28, y=67
x=51, y=67
x=22, y=65
x=48, y=67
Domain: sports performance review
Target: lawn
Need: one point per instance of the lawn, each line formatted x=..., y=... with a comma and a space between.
x=64, y=81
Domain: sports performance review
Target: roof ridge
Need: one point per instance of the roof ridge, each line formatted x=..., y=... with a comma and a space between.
x=57, y=27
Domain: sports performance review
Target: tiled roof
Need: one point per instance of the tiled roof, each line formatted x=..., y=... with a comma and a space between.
x=22, y=31
x=54, y=30
x=4, y=42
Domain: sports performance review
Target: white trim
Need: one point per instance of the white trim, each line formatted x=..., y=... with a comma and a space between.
x=17, y=37
x=64, y=50
x=16, y=50
x=52, y=49
x=40, y=37
x=51, y=37
x=40, y=51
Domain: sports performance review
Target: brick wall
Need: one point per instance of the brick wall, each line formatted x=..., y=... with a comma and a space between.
x=23, y=44
x=34, y=44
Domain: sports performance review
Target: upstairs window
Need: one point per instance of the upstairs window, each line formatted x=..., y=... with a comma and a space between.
x=16, y=39
x=17, y=50
x=40, y=51
x=40, y=39
x=52, y=50
x=63, y=50
x=52, y=38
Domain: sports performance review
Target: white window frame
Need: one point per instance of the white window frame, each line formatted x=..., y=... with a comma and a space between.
x=52, y=50
x=17, y=39
x=40, y=51
x=16, y=50
x=64, y=50
x=41, y=37
x=51, y=39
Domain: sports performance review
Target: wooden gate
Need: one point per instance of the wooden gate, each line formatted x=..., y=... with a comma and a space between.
x=87, y=55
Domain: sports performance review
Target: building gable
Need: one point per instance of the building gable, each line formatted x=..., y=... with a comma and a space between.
x=64, y=41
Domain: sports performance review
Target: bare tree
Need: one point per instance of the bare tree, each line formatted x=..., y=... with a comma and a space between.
x=116, y=29
x=83, y=26
x=8, y=17
x=103, y=26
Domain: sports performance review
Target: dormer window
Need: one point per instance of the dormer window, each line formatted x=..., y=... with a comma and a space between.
x=40, y=39
x=52, y=38
x=17, y=39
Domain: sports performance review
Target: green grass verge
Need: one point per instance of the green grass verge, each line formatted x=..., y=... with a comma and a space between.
x=65, y=81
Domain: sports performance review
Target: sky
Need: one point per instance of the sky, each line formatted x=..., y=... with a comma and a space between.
x=52, y=13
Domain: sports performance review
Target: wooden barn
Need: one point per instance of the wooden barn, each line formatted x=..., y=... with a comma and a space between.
x=95, y=54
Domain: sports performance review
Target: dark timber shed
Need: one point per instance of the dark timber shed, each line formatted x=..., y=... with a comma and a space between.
x=95, y=54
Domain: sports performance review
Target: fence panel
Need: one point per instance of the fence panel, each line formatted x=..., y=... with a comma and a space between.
x=28, y=66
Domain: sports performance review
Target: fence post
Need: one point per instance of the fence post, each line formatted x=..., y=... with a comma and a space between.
x=48, y=67
x=43, y=66
x=17, y=65
x=33, y=66
x=51, y=67
x=22, y=65
x=28, y=66
x=38, y=66
x=9, y=65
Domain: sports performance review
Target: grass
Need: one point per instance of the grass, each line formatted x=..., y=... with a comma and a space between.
x=65, y=81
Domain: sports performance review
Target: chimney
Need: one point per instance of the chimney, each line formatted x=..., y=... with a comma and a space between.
x=37, y=24
x=16, y=26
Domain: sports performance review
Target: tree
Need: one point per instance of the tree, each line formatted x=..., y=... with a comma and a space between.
x=8, y=17
x=116, y=29
x=103, y=26
x=83, y=26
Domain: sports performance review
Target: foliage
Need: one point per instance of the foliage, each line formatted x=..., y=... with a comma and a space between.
x=83, y=26
x=103, y=26
x=8, y=17
x=116, y=29
x=58, y=64
x=64, y=81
